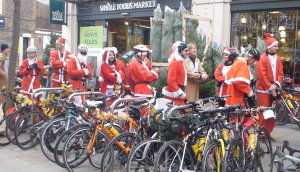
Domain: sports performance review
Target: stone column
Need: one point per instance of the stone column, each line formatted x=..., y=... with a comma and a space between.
x=70, y=31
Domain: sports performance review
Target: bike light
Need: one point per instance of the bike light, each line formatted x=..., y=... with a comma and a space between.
x=290, y=81
x=186, y=138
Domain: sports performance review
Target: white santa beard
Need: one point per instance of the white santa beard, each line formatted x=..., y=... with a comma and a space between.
x=81, y=58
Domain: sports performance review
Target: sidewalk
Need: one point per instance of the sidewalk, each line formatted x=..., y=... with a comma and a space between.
x=13, y=159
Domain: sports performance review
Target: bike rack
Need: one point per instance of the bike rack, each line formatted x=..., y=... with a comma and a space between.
x=179, y=107
x=44, y=89
x=136, y=99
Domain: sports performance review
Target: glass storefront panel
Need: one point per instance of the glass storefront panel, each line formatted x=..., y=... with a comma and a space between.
x=248, y=27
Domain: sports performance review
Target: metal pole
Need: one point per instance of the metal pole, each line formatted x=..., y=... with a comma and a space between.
x=136, y=99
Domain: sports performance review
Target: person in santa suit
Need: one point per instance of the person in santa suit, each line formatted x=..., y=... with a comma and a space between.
x=140, y=73
x=195, y=73
x=30, y=69
x=230, y=54
x=79, y=69
x=270, y=75
x=128, y=82
x=111, y=74
x=177, y=75
x=59, y=60
x=239, y=76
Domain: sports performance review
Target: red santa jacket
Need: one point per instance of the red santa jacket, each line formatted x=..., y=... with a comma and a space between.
x=220, y=76
x=142, y=76
x=77, y=73
x=238, y=80
x=59, y=65
x=31, y=80
x=128, y=82
x=176, y=76
x=265, y=74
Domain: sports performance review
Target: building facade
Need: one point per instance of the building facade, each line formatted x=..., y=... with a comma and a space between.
x=34, y=26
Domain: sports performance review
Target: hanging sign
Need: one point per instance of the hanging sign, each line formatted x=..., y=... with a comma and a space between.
x=92, y=36
x=128, y=6
x=58, y=12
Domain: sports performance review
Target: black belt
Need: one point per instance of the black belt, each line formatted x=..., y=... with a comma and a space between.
x=143, y=83
x=59, y=73
x=75, y=79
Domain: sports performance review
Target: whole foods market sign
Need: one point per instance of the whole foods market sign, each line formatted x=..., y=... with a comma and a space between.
x=58, y=12
x=128, y=6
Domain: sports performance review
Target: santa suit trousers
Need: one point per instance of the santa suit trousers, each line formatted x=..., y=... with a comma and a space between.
x=264, y=100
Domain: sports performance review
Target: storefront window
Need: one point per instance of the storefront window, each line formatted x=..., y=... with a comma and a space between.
x=250, y=27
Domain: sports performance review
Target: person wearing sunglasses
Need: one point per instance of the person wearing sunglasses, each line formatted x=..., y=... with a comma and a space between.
x=59, y=59
x=195, y=73
x=230, y=54
x=79, y=69
x=177, y=77
x=270, y=76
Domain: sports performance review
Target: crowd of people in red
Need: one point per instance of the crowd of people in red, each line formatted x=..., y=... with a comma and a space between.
x=185, y=72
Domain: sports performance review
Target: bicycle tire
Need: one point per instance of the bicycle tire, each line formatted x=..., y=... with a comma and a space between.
x=205, y=165
x=282, y=117
x=50, y=136
x=173, y=149
x=295, y=105
x=263, y=150
x=233, y=157
x=144, y=154
x=58, y=150
x=23, y=128
x=10, y=125
x=79, y=148
x=111, y=147
x=3, y=139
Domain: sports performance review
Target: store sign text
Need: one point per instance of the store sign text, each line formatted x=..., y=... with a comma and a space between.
x=57, y=16
x=128, y=6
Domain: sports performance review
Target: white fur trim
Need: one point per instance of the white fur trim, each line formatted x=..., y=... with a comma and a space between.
x=60, y=42
x=127, y=86
x=233, y=80
x=175, y=54
x=227, y=52
x=119, y=79
x=172, y=94
x=250, y=94
x=86, y=71
x=143, y=95
x=270, y=46
x=100, y=79
x=278, y=84
x=263, y=91
x=154, y=72
x=110, y=86
x=65, y=64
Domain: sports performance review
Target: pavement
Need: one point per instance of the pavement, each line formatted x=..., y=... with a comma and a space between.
x=14, y=159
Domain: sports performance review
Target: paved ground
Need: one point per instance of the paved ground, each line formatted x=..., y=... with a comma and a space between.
x=13, y=159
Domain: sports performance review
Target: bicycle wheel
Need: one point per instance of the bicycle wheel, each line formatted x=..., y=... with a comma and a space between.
x=212, y=158
x=116, y=153
x=10, y=125
x=75, y=149
x=51, y=134
x=281, y=111
x=3, y=139
x=58, y=149
x=28, y=128
x=171, y=157
x=295, y=105
x=142, y=157
x=263, y=151
x=233, y=157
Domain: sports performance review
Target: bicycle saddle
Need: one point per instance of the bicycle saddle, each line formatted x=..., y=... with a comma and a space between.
x=137, y=107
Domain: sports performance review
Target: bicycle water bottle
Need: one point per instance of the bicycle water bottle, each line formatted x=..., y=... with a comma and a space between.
x=201, y=143
x=290, y=104
x=114, y=131
x=225, y=134
x=251, y=141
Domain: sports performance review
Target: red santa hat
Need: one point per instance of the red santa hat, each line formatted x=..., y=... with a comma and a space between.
x=148, y=46
x=227, y=50
x=106, y=55
x=271, y=41
x=174, y=54
x=62, y=41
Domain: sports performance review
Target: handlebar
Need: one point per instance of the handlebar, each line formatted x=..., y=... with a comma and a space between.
x=153, y=116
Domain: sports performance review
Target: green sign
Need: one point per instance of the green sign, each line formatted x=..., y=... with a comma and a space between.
x=58, y=12
x=92, y=36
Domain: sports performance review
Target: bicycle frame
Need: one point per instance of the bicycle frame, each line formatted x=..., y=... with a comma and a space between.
x=290, y=111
